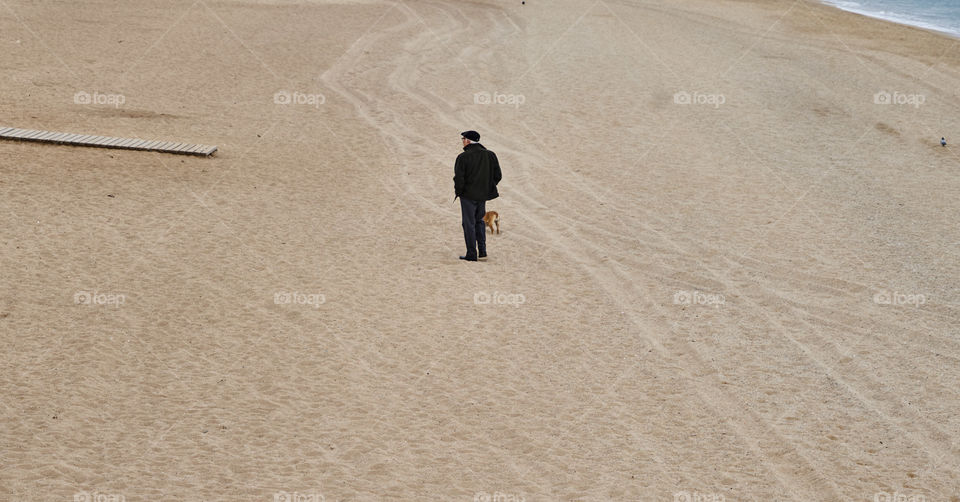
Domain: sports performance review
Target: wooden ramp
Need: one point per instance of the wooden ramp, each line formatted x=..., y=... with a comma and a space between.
x=105, y=141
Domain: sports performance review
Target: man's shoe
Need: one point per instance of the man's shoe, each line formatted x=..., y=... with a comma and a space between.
x=482, y=257
x=468, y=258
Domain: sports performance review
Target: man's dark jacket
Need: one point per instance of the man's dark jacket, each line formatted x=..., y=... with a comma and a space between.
x=476, y=173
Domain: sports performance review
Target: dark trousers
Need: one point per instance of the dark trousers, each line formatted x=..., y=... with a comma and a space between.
x=474, y=231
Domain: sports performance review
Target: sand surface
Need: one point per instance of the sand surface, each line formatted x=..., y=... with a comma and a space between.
x=687, y=302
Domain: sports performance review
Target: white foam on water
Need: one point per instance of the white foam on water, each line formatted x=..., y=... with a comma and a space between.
x=901, y=16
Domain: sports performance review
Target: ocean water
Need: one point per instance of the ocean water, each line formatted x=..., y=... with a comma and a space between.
x=937, y=15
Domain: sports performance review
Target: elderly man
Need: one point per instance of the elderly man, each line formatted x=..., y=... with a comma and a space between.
x=475, y=177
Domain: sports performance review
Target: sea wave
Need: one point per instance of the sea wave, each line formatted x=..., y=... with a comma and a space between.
x=934, y=16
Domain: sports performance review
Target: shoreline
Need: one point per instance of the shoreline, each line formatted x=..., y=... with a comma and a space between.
x=955, y=35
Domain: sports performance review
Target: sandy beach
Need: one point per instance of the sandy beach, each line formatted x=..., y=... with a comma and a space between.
x=729, y=266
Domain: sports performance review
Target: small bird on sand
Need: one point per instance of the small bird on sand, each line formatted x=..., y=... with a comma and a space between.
x=943, y=141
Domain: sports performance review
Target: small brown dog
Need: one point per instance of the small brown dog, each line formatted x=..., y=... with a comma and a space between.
x=492, y=218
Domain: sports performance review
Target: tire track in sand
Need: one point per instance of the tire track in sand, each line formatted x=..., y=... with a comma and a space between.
x=784, y=470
